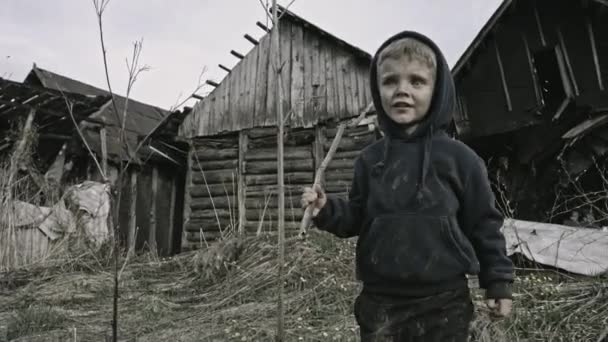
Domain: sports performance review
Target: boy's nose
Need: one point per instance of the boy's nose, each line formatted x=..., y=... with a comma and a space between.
x=404, y=89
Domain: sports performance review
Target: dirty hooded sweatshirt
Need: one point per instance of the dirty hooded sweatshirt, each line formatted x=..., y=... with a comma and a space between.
x=421, y=205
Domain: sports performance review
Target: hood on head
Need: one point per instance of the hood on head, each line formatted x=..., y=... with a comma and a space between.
x=444, y=95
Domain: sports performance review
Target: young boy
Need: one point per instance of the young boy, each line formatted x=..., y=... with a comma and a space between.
x=421, y=205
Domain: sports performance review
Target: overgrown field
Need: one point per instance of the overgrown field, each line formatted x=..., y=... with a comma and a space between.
x=229, y=292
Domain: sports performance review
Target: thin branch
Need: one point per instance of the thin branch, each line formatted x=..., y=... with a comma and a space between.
x=70, y=108
x=99, y=9
x=286, y=9
x=219, y=225
x=162, y=122
x=267, y=11
x=307, y=218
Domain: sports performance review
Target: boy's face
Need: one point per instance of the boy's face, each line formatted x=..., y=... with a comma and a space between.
x=406, y=89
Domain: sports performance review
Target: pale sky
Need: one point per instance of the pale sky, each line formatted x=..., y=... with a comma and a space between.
x=181, y=37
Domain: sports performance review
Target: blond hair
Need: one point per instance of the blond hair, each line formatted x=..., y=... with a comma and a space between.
x=413, y=48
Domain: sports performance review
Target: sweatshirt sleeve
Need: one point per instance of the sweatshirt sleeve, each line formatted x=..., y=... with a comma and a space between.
x=482, y=223
x=343, y=217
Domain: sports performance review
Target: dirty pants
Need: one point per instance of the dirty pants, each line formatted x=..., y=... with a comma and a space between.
x=440, y=318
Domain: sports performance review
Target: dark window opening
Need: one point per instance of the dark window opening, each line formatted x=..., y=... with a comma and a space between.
x=555, y=86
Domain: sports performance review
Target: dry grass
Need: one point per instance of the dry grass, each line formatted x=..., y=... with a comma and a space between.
x=228, y=293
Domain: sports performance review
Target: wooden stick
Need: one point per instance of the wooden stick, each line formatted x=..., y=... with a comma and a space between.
x=539, y=26
x=307, y=218
x=274, y=53
x=562, y=43
x=596, y=61
x=537, y=92
x=503, y=78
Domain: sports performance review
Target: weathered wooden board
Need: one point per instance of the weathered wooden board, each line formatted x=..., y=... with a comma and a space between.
x=270, y=166
x=201, y=190
x=208, y=165
x=271, y=153
x=297, y=75
x=290, y=178
x=285, y=56
x=227, y=177
x=260, y=110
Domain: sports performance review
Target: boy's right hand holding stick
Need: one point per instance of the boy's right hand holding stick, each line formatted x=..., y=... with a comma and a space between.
x=314, y=197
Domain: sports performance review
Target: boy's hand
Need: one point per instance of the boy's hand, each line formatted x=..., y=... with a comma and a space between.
x=315, y=197
x=500, y=307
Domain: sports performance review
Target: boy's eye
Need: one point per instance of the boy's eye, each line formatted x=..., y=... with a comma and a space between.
x=389, y=80
x=418, y=81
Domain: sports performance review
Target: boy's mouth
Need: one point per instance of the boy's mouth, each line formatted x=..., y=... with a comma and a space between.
x=402, y=105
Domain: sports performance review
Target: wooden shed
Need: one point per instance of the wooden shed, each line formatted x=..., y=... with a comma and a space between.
x=152, y=192
x=533, y=94
x=232, y=164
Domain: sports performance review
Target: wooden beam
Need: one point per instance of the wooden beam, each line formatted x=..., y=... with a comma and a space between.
x=152, y=235
x=562, y=43
x=212, y=83
x=225, y=68
x=539, y=26
x=132, y=234
x=171, y=232
x=236, y=54
x=187, y=198
x=534, y=80
x=503, y=79
x=198, y=97
x=104, y=151
x=263, y=27
x=251, y=39
x=596, y=60
x=242, y=185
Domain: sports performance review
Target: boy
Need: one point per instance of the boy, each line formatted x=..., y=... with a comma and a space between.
x=421, y=205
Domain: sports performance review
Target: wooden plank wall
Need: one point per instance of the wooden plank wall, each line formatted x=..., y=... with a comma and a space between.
x=321, y=80
x=528, y=28
x=256, y=180
x=151, y=209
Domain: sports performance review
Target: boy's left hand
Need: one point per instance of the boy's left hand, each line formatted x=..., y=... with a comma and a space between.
x=500, y=307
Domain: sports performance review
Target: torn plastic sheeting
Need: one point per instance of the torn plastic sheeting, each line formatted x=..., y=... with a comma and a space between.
x=52, y=221
x=576, y=250
x=90, y=199
x=93, y=201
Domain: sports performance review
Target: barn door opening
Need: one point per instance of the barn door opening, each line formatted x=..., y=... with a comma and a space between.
x=555, y=85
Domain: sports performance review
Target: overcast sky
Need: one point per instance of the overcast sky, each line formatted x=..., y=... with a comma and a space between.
x=181, y=37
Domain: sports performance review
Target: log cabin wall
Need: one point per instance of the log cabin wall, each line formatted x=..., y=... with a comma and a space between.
x=243, y=184
x=537, y=61
x=210, y=206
